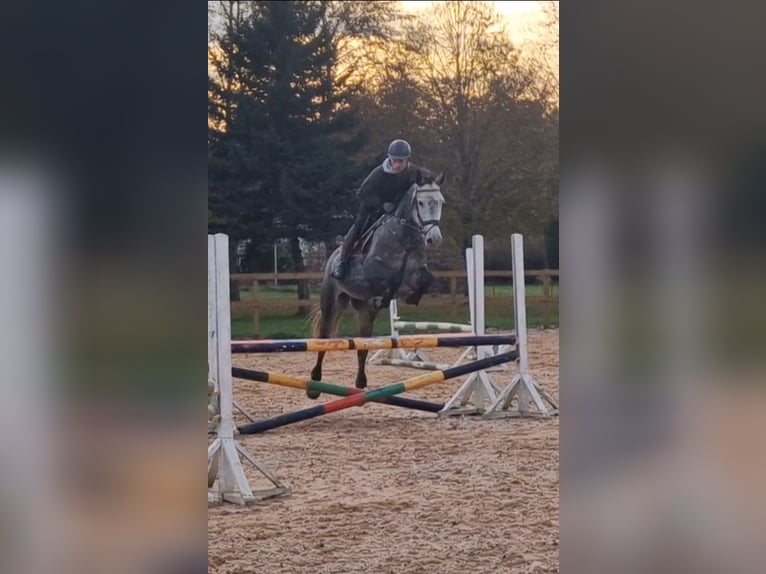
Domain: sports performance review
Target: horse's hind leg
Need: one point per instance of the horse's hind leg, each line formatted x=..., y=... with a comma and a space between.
x=366, y=317
x=331, y=311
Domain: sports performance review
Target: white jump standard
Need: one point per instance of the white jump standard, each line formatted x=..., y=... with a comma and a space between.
x=530, y=399
x=223, y=453
x=416, y=358
x=523, y=387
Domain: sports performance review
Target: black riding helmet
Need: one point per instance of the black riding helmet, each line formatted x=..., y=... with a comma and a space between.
x=399, y=149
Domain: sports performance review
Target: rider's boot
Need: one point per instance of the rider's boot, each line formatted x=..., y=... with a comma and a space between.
x=341, y=267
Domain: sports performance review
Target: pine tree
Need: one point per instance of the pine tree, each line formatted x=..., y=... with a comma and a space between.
x=280, y=167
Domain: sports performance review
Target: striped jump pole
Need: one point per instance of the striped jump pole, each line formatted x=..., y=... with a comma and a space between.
x=367, y=344
x=430, y=326
x=422, y=365
x=329, y=388
x=357, y=400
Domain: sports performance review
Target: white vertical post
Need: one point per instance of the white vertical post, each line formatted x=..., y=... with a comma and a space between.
x=471, y=282
x=224, y=452
x=477, y=241
x=399, y=354
x=523, y=386
x=520, y=313
x=478, y=385
x=231, y=477
x=393, y=316
x=477, y=299
x=519, y=299
x=276, y=265
x=469, y=352
x=221, y=333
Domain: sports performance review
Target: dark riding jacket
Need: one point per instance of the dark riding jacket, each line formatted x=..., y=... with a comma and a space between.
x=382, y=187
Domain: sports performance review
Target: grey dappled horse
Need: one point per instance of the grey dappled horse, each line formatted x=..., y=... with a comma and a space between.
x=389, y=261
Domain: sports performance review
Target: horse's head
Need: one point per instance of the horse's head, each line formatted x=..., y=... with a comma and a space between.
x=421, y=207
x=423, y=203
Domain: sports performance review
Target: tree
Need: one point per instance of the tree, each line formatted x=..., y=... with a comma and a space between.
x=279, y=152
x=224, y=22
x=305, y=96
x=545, y=57
x=478, y=113
x=363, y=32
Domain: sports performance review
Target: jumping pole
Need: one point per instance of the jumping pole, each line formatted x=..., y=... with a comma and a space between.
x=367, y=344
x=329, y=388
x=360, y=399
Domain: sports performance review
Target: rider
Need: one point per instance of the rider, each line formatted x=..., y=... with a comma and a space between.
x=380, y=192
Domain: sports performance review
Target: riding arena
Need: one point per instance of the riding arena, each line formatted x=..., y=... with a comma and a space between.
x=451, y=469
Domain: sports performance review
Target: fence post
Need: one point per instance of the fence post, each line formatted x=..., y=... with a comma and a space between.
x=453, y=295
x=256, y=310
x=546, y=302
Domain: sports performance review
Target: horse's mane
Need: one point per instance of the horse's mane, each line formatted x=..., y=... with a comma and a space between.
x=404, y=209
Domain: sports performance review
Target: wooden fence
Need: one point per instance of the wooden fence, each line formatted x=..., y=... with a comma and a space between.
x=453, y=297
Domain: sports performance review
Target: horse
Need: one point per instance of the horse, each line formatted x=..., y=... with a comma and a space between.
x=389, y=261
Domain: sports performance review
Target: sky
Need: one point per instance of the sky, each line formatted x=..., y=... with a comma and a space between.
x=506, y=8
x=520, y=16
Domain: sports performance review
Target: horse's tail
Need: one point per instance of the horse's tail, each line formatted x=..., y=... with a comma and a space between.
x=315, y=316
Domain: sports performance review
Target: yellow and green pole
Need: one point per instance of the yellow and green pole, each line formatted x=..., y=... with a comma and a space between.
x=359, y=399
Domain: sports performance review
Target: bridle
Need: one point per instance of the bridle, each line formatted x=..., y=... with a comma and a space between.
x=424, y=225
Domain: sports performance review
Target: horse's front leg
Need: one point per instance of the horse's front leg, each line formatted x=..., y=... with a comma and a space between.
x=361, y=376
x=330, y=312
x=366, y=317
x=423, y=279
x=316, y=372
x=417, y=277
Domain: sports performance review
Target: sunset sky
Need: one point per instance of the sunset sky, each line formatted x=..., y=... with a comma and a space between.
x=522, y=17
x=523, y=20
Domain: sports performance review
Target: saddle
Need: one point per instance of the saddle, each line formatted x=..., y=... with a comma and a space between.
x=362, y=246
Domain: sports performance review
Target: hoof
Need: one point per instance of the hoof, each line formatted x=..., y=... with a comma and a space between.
x=313, y=394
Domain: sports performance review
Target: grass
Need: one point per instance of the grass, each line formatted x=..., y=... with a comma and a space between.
x=501, y=290
x=290, y=291
x=498, y=317
x=271, y=292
